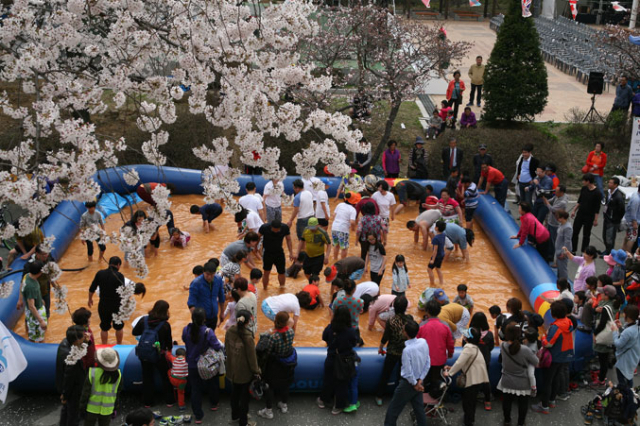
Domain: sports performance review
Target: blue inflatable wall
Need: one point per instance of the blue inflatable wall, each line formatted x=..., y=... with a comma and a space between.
x=533, y=275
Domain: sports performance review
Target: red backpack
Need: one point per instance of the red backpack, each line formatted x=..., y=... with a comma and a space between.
x=544, y=358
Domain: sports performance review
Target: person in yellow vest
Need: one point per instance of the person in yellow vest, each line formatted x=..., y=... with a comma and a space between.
x=101, y=389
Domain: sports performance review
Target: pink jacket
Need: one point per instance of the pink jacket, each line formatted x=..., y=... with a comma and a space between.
x=439, y=338
x=529, y=225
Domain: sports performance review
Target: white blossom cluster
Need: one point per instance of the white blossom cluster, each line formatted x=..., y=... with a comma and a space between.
x=76, y=354
x=60, y=299
x=5, y=289
x=52, y=270
x=70, y=56
x=127, y=304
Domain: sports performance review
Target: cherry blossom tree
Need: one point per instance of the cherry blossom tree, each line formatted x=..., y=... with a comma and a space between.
x=616, y=39
x=394, y=58
x=72, y=60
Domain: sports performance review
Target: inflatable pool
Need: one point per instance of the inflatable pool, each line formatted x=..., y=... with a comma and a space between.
x=532, y=274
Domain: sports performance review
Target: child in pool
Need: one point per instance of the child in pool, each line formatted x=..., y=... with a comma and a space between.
x=230, y=310
x=400, y=274
x=463, y=298
x=179, y=238
x=196, y=271
x=231, y=270
x=254, y=278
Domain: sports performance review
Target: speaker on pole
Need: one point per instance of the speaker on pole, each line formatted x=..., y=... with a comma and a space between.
x=596, y=83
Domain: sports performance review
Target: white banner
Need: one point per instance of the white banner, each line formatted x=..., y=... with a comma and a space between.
x=633, y=169
x=12, y=360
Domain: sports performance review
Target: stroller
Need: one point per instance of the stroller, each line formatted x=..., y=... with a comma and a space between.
x=617, y=405
x=434, y=407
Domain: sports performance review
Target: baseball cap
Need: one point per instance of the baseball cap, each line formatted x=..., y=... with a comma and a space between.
x=332, y=273
x=483, y=146
x=440, y=296
x=353, y=198
x=312, y=223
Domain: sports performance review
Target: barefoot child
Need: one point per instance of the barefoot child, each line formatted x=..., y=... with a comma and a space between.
x=463, y=298
x=400, y=274
x=178, y=374
x=196, y=271
x=437, y=255
x=179, y=238
x=88, y=219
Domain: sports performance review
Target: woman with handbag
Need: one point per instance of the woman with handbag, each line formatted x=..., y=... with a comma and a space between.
x=242, y=366
x=514, y=383
x=339, y=366
x=158, y=318
x=627, y=342
x=602, y=334
x=197, y=338
x=473, y=374
x=281, y=363
x=559, y=341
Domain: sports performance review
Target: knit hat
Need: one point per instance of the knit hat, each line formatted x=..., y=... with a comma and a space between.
x=108, y=359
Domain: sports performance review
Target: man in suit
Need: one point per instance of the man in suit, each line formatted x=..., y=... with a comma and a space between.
x=526, y=173
x=451, y=158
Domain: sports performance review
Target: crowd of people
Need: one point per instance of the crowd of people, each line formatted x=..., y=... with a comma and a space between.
x=222, y=298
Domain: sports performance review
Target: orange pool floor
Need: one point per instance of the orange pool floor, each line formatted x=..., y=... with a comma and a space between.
x=489, y=280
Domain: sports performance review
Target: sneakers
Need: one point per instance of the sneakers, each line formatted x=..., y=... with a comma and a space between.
x=597, y=383
x=267, y=413
x=174, y=420
x=350, y=409
x=469, y=104
x=538, y=408
x=564, y=397
x=336, y=411
x=588, y=418
x=319, y=403
x=283, y=407
x=378, y=401
x=479, y=104
x=552, y=404
x=487, y=406
x=182, y=408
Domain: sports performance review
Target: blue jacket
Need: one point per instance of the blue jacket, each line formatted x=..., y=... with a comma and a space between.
x=204, y=295
x=559, y=335
x=627, y=346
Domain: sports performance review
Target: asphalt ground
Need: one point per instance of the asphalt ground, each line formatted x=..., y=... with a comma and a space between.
x=43, y=409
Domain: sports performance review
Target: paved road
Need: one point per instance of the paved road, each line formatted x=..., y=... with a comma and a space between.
x=43, y=409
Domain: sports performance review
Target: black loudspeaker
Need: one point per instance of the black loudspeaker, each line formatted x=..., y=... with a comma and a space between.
x=596, y=83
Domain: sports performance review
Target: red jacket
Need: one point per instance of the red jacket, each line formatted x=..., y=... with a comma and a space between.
x=603, y=162
x=451, y=86
x=529, y=225
x=439, y=338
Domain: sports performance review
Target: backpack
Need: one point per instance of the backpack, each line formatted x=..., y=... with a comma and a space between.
x=147, y=350
x=544, y=358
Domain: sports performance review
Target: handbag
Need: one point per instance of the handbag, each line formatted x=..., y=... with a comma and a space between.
x=211, y=363
x=544, y=358
x=344, y=367
x=605, y=337
x=461, y=380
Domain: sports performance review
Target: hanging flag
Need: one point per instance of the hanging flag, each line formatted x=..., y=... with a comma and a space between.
x=427, y=3
x=617, y=7
x=12, y=360
x=526, y=4
x=573, y=4
x=474, y=3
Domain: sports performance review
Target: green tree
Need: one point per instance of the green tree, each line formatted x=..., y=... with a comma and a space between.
x=515, y=83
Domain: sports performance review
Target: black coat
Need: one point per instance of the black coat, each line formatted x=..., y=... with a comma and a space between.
x=615, y=207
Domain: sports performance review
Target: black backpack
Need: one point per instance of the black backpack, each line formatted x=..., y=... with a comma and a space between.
x=147, y=349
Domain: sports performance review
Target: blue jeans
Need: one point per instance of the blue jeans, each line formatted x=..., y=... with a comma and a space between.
x=353, y=389
x=403, y=394
x=197, y=384
x=598, y=181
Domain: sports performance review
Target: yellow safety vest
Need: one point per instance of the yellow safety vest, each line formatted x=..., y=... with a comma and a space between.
x=103, y=396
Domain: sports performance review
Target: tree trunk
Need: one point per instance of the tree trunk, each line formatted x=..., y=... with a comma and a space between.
x=493, y=8
x=486, y=7
x=393, y=113
x=446, y=9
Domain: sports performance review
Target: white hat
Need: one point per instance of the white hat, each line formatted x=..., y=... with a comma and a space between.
x=108, y=359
